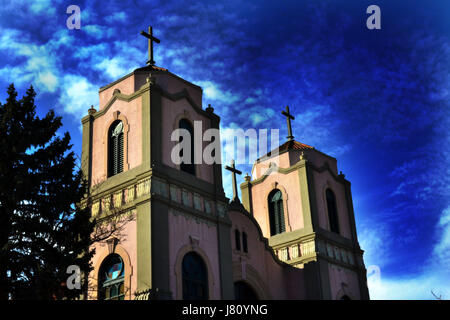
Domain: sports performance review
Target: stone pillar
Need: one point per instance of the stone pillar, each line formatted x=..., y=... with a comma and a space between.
x=86, y=151
x=246, y=193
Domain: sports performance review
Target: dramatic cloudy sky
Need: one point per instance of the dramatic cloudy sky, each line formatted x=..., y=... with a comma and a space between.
x=377, y=100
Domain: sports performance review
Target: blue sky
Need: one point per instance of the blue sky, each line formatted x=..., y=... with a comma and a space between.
x=377, y=100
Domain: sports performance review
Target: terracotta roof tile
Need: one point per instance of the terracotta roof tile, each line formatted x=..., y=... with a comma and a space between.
x=149, y=68
x=289, y=145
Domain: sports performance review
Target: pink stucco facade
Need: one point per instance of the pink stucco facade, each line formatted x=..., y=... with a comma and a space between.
x=289, y=186
x=127, y=250
x=185, y=235
x=266, y=274
x=172, y=113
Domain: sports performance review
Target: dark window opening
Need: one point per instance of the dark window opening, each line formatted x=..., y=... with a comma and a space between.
x=237, y=239
x=332, y=211
x=115, y=148
x=194, y=277
x=276, y=213
x=242, y=291
x=187, y=167
x=244, y=242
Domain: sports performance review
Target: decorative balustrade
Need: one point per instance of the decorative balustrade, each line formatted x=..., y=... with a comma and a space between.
x=307, y=249
x=155, y=186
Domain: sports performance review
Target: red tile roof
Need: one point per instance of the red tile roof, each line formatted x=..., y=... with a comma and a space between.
x=150, y=68
x=289, y=145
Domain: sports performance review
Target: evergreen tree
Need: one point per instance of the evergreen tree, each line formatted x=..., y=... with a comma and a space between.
x=43, y=230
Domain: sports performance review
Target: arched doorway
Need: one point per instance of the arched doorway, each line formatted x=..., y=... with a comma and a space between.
x=195, y=277
x=242, y=291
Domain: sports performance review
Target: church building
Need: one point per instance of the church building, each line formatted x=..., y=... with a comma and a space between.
x=292, y=235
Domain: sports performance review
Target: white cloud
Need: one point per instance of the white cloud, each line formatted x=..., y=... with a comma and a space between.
x=92, y=52
x=40, y=66
x=38, y=6
x=441, y=250
x=114, y=68
x=98, y=32
x=78, y=94
x=434, y=277
x=213, y=92
x=117, y=17
x=372, y=241
x=48, y=80
x=418, y=288
x=318, y=127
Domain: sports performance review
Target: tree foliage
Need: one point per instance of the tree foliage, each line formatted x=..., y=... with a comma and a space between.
x=43, y=230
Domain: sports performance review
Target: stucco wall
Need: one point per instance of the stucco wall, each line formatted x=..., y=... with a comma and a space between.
x=324, y=180
x=259, y=268
x=132, y=111
x=126, y=86
x=290, y=187
x=343, y=282
x=126, y=248
x=171, y=84
x=172, y=113
x=203, y=241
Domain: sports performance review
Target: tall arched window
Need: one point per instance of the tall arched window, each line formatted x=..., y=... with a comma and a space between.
x=115, y=148
x=187, y=167
x=332, y=211
x=276, y=213
x=111, y=278
x=195, y=277
x=244, y=242
x=242, y=291
x=237, y=239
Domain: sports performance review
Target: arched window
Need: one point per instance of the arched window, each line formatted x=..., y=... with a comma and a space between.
x=187, y=167
x=332, y=211
x=111, y=279
x=244, y=242
x=115, y=148
x=242, y=291
x=276, y=213
x=237, y=239
x=195, y=277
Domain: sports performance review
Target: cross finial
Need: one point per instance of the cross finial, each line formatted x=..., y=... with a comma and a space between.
x=288, y=118
x=151, y=38
x=233, y=177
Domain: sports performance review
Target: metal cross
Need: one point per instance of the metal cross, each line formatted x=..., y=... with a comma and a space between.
x=151, y=38
x=288, y=118
x=234, y=171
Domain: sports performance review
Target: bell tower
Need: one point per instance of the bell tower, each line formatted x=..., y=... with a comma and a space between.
x=178, y=209
x=304, y=207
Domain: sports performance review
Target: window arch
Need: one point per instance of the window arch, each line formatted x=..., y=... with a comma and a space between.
x=187, y=167
x=242, y=291
x=195, y=277
x=115, y=148
x=276, y=213
x=111, y=278
x=332, y=211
